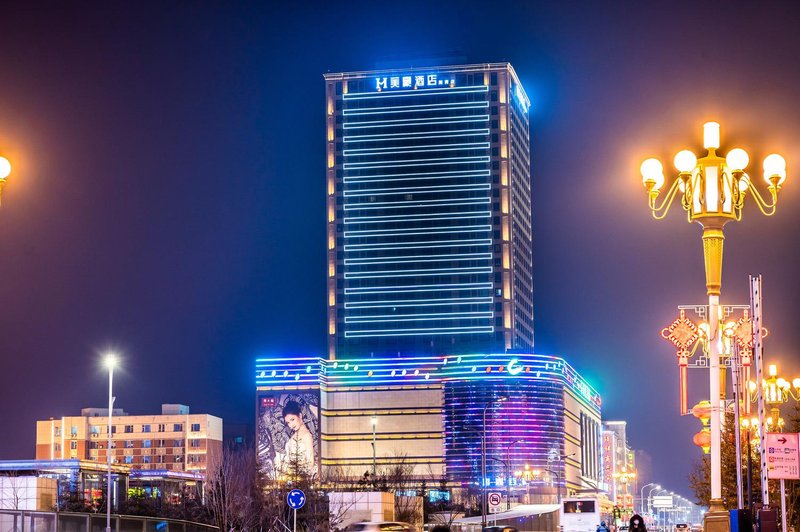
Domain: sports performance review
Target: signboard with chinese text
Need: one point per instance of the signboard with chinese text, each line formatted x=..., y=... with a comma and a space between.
x=415, y=81
x=783, y=456
x=663, y=501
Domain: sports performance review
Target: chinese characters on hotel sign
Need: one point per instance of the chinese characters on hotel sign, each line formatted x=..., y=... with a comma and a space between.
x=415, y=81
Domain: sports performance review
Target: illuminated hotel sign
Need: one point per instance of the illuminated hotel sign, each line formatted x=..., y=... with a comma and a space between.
x=416, y=81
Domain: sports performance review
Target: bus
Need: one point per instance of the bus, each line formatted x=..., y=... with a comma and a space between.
x=580, y=514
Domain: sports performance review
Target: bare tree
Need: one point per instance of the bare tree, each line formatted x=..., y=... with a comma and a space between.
x=232, y=495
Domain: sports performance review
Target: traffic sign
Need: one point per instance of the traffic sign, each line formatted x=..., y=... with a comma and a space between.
x=296, y=499
x=663, y=501
x=495, y=502
x=783, y=456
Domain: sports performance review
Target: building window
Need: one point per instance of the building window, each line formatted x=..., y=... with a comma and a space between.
x=73, y=445
x=145, y=459
x=178, y=427
x=195, y=427
x=129, y=429
x=178, y=443
x=129, y=444
x=113, y=429
x=147, y=443
x=145, y=428
x=194, y=443
x=160, y=443
x=57, y=447
x=57, y=432
x=94, y=430
x=74, y=431
x=160, y=459
x=129, y=459
x=161, y=427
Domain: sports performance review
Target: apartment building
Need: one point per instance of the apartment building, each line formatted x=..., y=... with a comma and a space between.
x=175, y=440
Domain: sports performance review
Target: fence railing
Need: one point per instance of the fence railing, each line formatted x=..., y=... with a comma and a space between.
x=31, y=521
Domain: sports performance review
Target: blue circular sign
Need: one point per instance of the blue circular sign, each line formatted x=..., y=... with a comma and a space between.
x=296, y=499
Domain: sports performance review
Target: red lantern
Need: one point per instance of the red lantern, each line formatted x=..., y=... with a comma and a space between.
x=703, y=439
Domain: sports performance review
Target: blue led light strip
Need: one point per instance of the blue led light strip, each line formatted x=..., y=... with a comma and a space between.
x=435, y=317
x=417, y=231
x=418, y=288
x=443, y=120
x=389, y=272
x=380, y=137
x=418, y=217
x=425, y=189
x=426, y=108
x=418, y=176
x=419, y=244
x=449, y=302
x=423, y=273
x=414, y=92
x=419, y=332
x=415, y=258
x=424, y=174
x=414, y=203
x=418, y=162
x=421, y=149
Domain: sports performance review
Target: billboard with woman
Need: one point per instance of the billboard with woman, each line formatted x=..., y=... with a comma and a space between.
x=287, y=431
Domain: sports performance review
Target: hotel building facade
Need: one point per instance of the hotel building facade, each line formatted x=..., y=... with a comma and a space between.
x=428, y=211
x=173, y=441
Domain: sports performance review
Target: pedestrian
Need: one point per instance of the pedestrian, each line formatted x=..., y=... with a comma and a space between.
x=603, y=527
x=637, y=524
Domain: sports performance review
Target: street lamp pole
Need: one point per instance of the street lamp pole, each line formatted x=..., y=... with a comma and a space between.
x=483, y=458
x=650, y=499
x=508, y=473
x=374, y=421
x=641, y=497
x=713, y=190
x=110, y=362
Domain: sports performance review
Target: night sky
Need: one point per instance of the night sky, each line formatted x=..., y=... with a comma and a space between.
x=167, y=197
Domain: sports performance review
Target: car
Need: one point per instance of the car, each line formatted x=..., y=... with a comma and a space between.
x=381, y=526
x=682, y=527
x=499, y=529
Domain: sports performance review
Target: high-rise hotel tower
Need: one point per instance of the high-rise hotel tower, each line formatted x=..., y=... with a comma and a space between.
x=429, y=211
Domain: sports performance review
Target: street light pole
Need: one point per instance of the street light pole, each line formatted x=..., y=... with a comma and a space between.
x=110, y=361
x=641, y=497
x=374, y=421
x=650, y=499
x=508, y=473
x=483, y=458
x=713, y=190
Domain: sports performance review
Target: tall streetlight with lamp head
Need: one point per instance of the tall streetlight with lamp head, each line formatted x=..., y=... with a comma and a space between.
x=650, y=498
x=712, y=191
x=110, y=360
x=641, y=497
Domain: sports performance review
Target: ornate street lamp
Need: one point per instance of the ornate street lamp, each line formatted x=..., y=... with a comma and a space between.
x=777, y=391
x=713, y=190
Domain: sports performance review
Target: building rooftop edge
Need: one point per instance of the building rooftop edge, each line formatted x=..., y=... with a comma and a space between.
x=356, y=74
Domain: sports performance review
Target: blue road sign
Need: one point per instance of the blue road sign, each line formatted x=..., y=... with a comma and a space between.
x=296, y=499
